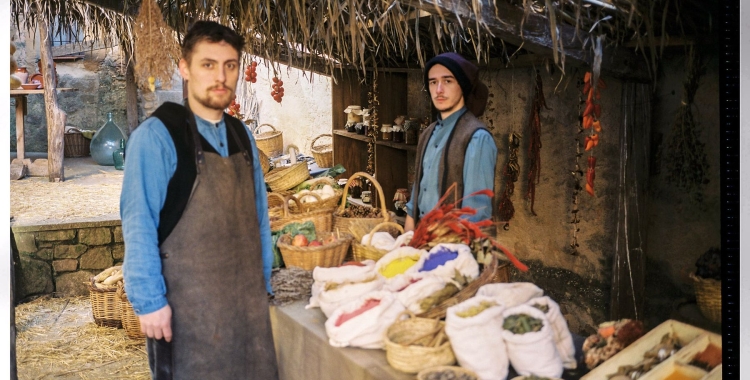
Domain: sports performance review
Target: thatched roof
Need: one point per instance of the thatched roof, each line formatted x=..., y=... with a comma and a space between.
x=329, y=35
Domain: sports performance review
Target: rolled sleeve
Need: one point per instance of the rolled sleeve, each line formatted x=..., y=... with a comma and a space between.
x=480, y=174
x=151, y=162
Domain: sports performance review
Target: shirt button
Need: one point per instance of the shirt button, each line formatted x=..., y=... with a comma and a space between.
x=221, y=144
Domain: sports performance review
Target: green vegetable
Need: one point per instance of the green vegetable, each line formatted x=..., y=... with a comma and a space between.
x=306, y=228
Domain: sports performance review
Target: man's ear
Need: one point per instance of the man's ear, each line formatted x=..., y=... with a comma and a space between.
x=183, y=66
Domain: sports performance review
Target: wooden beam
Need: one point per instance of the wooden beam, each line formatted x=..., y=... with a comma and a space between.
x=621, y=63
x=55, y=116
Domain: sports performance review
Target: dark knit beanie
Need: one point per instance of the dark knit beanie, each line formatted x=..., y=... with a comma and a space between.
x=467, y=74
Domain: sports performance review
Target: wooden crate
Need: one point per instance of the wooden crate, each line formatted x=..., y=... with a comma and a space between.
x=692, y=339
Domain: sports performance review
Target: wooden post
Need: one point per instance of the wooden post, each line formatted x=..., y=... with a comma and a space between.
x=55, y=116
x=131, y=91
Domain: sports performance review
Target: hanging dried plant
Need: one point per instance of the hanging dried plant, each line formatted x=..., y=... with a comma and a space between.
x=372, y=104
x=535, y=141
x=687, y=165
x=511, y=173
x=156, y=48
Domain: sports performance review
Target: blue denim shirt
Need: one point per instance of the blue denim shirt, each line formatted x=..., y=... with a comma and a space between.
x=479, y=170
x=151, y=160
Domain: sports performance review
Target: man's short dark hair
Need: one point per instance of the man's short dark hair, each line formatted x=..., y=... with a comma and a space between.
x=213, y=32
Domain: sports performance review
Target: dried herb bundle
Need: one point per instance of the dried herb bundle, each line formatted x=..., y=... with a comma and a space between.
x=156, y=48
x=511, y=172
x=687, y=165
x=535, y=141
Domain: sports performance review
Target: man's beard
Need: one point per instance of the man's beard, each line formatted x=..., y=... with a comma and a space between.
x=214, y=102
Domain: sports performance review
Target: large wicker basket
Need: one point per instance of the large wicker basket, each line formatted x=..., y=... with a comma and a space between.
x=414, y=344
x=307, y=258
x=323, y=153
x=105, y=306
x=322, y=219
x=271, y=143
x=708, y=297
x=362, y=252
x=265, y=164
x=130, y=321
x=488, y=275
x=425, y=374
x=342, y=223
x=285, y=178
x=75, y=145
x=328, y=203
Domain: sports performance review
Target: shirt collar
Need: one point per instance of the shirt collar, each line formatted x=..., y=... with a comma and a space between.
x=450, y=120
x=204, y=122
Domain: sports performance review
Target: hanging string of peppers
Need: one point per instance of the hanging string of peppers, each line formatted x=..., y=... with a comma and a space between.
x=591, y=115
x=535, y=143
x=511, y=172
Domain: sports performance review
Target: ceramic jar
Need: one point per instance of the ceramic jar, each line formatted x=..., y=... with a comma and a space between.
x=366, y=196
x=399, y=201
x=386, y=132
x=23, y=74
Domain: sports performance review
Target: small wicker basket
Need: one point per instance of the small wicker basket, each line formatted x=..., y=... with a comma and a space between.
x=130, y=321
x=342, y=223
x=708, y=297
x=425, y=374
x=323, y=153
x=265, y=164
x=285, y=178
x=322, y=219
x=414, y=344
x=105, y=306
x=362, y=252
x=75, y=145
x=307, y=258
x=328, y=203
x=271, y=143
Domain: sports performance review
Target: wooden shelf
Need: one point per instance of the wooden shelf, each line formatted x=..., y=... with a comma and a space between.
x=402, y=146
x=351, y=135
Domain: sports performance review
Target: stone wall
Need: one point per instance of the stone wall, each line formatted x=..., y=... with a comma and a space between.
x=61, y=258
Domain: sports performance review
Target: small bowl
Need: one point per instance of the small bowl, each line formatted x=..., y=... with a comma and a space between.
x=30, y=86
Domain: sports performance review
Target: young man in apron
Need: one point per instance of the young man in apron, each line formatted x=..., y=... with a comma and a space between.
x=195, y=224
x=457, y=147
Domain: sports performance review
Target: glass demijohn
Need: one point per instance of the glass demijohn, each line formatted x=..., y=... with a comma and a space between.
x=106, y=141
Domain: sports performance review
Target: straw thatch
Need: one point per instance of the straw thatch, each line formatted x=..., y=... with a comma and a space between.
x=57, y=338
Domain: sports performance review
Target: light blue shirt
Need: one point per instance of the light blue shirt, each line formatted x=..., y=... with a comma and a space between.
x=479, y=170
x=151, y=160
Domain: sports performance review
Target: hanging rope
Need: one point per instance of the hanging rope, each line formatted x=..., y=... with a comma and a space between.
x=535, y=143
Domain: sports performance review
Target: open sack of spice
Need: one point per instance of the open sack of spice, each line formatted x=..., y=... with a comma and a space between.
x=450, y=261
x=530, y=341
x=397, y=266
x=364, y=321
x=475, y=330
x=425, y=290
x=511, y=294
x=562, y=337
x=611, y=338
x=333, y=287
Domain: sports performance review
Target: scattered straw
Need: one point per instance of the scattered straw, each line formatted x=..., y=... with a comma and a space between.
x=35, y=199
x=58, y=339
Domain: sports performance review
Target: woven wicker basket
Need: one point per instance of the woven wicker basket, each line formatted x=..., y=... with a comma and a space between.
x=322, y=219
x=105, y=306
x=342, y=224
x=487, y=276
x=285, y=178
x=307, y=258
x=414, y=344
x=265, y=164
x=708, y=296
x=271, y=143
x=424, y=374
x=362, y=252
x=323, y=153
x=75, y=145
x=130, y=321
x=328, y=203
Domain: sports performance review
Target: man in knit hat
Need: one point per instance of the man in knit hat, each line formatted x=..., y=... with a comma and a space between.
x=457, y=147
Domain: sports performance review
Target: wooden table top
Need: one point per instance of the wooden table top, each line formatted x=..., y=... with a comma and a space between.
x=39, y=91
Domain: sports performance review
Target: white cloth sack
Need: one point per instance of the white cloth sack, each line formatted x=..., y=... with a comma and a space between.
x=413, y=294
x=399, y=281
x=368, y=329
x=384, y=240
x=352, y=280
x=563, y=339
x=478, y=341
x=464, y=263
x=533, y=353
x=511, y=294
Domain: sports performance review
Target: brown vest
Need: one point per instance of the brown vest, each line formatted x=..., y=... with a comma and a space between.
x=451, y=167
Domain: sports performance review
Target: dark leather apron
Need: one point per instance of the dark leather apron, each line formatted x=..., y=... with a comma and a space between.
x=213, y=270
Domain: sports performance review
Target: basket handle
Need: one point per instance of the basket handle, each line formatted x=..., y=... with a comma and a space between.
x=384, y=224
x=261, y=126
x=283, y=202
x=375, y=183
x=312, y=143
x=290, y=146
x=316, y=181
x=286, y=204
x=300, y=204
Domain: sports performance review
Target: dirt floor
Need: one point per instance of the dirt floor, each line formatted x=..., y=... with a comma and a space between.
x=58, y=339
x=90, y=192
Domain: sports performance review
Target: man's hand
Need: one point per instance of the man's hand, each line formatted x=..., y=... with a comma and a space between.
x=158, y=325
x=409, y=224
